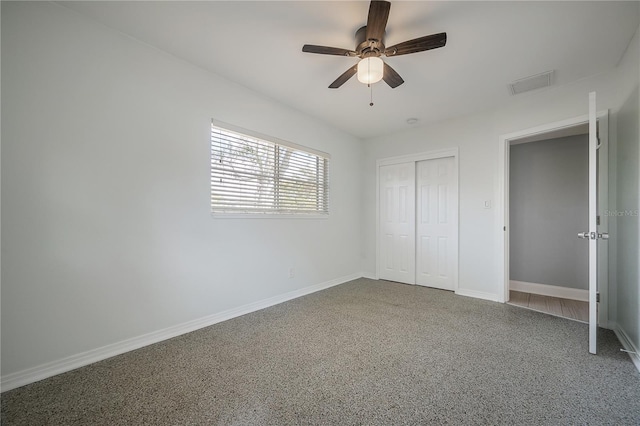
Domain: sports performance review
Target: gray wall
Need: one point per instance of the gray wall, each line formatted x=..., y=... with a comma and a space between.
x=548, y=203
x=626, y=217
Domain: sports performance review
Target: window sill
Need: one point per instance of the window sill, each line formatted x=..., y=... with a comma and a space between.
x=268, y=216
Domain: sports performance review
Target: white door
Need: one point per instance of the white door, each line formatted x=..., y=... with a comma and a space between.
x=435, y=227
x=397, y=222
x=593, y=235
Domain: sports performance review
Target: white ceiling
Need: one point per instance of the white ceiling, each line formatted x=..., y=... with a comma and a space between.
x=490, y=44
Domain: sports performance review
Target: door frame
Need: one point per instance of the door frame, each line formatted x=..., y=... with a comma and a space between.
x=409, y=158
x=502, y=210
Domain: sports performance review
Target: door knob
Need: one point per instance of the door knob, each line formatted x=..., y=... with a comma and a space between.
x=593, y=235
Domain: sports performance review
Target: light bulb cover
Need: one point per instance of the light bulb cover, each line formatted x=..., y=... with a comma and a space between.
x=370, y=70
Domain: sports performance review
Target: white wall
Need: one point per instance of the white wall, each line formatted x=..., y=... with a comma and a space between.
x=477, y=138
x=628, y=314
x=106, y=227
x=627, y=225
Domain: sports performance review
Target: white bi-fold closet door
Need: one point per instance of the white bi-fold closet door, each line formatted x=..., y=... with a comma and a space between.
x=397, y=215
x=418, y=222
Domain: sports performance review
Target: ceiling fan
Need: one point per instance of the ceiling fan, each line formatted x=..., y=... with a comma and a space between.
x=370, y=46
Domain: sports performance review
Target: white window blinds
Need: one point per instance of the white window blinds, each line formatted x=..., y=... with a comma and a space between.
x=250, y=174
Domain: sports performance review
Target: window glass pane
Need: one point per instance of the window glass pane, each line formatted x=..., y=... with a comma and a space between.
x=252, y=175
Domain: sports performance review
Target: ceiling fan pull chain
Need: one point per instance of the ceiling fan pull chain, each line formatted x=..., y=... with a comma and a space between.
x=371, y=96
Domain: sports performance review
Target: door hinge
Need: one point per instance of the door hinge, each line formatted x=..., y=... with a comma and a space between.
x=598, y=297
x=504, y=228
x=597, y=220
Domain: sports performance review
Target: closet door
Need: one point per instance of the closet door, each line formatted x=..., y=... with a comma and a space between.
x=397, y=222
x=435, y=228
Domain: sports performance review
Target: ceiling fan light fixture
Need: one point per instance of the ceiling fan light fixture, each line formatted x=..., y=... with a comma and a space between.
x=370, y=70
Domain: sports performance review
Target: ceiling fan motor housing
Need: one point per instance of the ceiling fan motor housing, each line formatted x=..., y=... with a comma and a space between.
x=367, y=48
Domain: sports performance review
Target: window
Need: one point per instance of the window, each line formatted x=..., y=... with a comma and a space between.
x=252, y=173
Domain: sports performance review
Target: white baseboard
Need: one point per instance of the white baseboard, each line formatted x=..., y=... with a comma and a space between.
x=478, y=294
x=40, y=372
x=464, y=292
x=627, y=344
x=369, y=276
x=550, y=290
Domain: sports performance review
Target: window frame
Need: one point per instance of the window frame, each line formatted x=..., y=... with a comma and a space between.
x=273, y=214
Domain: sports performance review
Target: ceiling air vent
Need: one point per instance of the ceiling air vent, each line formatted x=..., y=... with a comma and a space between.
x=534, y=82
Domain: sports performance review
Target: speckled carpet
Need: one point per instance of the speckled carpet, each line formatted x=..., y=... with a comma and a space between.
x=365, y=352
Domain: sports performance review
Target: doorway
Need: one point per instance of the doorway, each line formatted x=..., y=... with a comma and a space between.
x=417, y=219
x=558, y=131
x=548, y=207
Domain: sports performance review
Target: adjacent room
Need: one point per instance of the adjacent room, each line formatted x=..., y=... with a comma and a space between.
x=319, y=212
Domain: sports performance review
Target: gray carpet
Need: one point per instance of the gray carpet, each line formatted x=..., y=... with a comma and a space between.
x=366, y=352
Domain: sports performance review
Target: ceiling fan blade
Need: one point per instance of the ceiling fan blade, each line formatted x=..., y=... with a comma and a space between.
x=344, y=77
x=377, y=20
x=324, y=50
x=391, y=77
x=420, y=44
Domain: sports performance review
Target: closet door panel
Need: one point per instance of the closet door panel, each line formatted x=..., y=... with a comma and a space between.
x=435, y=226
x=397, y=222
